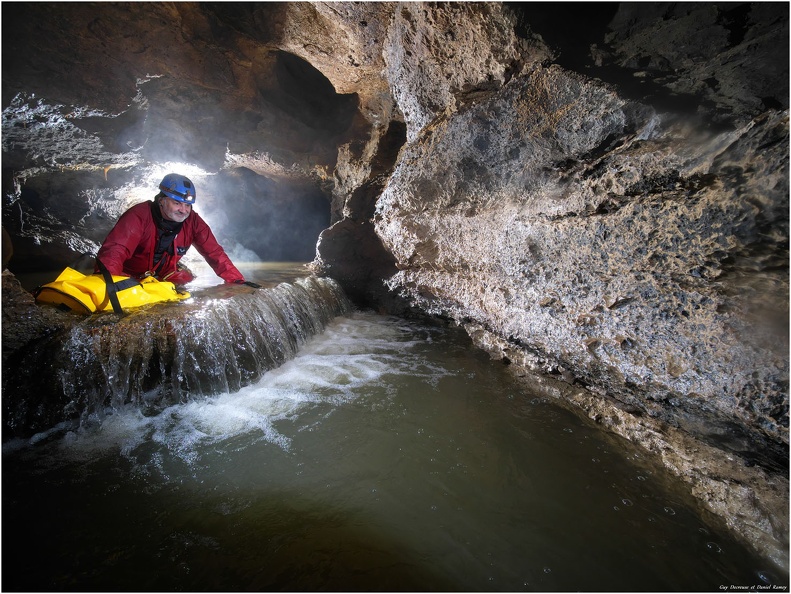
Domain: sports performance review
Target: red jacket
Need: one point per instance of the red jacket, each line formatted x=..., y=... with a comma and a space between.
x=129, y=247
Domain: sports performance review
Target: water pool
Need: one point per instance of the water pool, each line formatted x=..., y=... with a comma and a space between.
x=389, y=455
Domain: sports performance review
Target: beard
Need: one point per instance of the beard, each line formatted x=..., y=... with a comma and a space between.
x=179, y=218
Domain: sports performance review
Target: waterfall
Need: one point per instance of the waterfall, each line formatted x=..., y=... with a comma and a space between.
x=152, y=358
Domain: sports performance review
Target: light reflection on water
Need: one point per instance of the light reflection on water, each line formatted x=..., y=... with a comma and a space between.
x=388, y=455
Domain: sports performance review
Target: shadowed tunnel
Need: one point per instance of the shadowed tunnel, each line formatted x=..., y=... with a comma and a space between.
x=260, y=150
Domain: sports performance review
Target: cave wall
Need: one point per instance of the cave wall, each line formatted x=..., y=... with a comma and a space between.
x=655, y=268
x=604, y=204
x=113, y=97
x=623, y=226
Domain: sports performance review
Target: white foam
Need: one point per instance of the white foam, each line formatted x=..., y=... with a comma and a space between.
x=353, y=354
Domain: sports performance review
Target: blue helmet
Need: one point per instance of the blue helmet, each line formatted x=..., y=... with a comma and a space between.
x=178, y=187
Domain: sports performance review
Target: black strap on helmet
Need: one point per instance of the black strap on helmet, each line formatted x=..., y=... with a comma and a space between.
x=183, y=195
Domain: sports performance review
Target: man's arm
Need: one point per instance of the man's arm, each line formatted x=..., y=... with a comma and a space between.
x=121, y=242
x=213, y=253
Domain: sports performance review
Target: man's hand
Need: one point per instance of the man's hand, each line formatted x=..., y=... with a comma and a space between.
x=248, y=283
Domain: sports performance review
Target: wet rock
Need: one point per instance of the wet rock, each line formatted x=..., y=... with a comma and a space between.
x=60, y=367
x=638, y=250
x=29, y=331
x=641, y=302
x=25, y=324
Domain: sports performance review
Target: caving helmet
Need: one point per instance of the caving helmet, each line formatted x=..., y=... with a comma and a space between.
x=178, y=187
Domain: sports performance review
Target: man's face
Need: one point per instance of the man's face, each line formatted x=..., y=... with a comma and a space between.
x=173, y=210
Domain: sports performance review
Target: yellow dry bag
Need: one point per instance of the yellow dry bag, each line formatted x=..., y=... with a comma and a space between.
x=89, y=294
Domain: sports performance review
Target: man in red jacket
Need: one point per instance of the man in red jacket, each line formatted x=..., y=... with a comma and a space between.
x=150, y=238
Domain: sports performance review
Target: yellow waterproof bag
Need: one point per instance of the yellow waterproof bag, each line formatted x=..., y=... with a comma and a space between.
x=89, y=294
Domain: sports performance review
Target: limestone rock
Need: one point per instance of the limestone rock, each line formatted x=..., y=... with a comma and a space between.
x=441, y=57
x=608, y=243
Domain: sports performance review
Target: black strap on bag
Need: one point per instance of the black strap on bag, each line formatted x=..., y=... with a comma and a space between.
x=113, y=287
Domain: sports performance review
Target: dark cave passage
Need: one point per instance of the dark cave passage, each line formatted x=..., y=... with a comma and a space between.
x=269, y=212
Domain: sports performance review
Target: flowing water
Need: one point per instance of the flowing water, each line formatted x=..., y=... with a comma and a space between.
x=387, y=455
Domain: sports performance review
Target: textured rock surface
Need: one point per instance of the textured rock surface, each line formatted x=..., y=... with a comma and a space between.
x=627, y=268
x=600, y=198
x=635, y=244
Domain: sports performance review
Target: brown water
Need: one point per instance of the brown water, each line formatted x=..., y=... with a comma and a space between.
x=388, y=456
